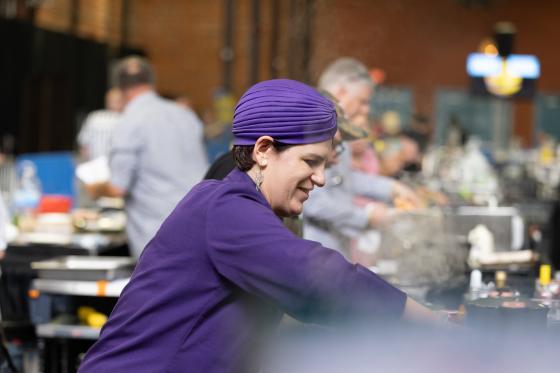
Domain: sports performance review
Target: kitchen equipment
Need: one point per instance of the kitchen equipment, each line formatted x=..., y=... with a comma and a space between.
x=505, y=223
x=84, y=268
x=500, y=314
x=107, y=221
x=421, y=250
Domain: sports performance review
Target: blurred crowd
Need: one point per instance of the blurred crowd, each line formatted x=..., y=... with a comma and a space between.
x=154, y=148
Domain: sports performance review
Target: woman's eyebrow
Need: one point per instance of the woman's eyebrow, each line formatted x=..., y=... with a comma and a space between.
x=314, y=155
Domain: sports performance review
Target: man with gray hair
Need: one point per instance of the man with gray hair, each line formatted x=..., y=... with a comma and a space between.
x=330, y=217
x=348, y=80
x=156, y=156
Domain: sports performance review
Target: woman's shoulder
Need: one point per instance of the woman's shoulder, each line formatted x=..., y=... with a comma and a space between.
x=237, y=190
x=231, y=188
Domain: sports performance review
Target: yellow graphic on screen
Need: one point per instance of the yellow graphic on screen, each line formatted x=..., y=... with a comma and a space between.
x=505, y=83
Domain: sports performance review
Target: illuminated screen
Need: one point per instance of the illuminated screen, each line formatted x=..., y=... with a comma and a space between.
x=514, y=76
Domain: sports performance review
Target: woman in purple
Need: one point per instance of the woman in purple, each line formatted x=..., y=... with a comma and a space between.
x=222, y=269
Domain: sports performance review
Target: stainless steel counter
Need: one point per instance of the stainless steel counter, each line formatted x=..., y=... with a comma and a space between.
x=82, y=288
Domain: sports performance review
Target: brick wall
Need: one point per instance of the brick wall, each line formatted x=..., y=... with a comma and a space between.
x=182, y=39
x=54, y=15
x=97, y=19
x=422, y=44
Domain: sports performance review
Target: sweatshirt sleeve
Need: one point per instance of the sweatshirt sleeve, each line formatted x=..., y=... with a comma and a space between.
x=253, y=250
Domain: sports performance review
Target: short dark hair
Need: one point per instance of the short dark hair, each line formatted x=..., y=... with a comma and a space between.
x=243, y=154
x=132, y=71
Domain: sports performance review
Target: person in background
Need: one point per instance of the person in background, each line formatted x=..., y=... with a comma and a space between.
x=391, y=156
x=411, y=155
x=391, y=124
x=330, y=216
x=363, y=245
x=157, y=153
x=364, y=155
x=184, y=101
x=94, y=138
x=223, y=269
x=420, y=131
x=217, y=123
x=456, y=135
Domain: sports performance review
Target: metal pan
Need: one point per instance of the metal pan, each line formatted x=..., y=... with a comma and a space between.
x=84, y=268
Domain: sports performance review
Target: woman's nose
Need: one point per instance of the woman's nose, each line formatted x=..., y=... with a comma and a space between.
x=318, y=177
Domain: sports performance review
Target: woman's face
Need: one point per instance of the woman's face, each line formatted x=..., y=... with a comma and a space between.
x=290, y=175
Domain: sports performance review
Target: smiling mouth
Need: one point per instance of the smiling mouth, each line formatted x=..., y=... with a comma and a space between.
x=306, y=191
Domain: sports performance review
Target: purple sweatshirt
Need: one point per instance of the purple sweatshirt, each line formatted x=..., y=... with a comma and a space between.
x=218, y=275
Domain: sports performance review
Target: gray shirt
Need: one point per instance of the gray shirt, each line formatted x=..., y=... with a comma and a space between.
x=157, y=156
x=330, y=216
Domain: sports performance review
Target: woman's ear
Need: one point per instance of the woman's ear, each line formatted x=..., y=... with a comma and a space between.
x=262, y=150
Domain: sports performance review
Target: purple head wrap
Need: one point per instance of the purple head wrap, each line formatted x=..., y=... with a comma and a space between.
x=288, y=111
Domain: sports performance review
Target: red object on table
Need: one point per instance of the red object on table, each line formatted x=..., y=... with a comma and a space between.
x=54, y=203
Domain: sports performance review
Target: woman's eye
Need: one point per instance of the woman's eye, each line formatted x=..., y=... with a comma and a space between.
x=312, y=162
